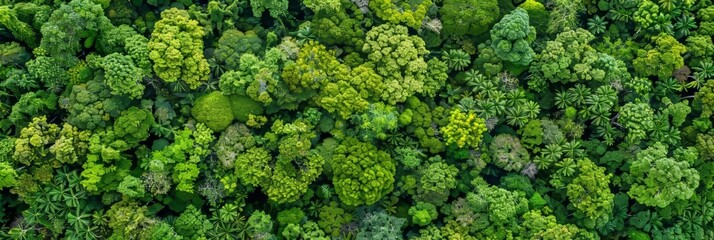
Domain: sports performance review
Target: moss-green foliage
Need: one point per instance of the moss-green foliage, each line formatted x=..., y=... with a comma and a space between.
x=471, y=17
x=537, y=14
x=133, y=124
x=122, y=76
x=243, y=106
x=20, y=30
x=660, y=180
x=512, y=36
x=660, y=59
x=62, y=35
x=233, y=43
x=465, y=129
x=356, y=119
x=176, y=48
x=399, y=59
x=570, y=58
x=410, y=13
x=338, y=25
x=362, y=173
x=214, y=110
x=91, y=105
x=276, y=8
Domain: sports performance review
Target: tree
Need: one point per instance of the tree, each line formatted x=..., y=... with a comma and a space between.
x=465, y=129
x=564, y=15
x=499, y=205
x=435, y=182
x=260, y=225
x=258, y=78
x=8, y=176
x=507, y=153
x=91, y=105
x=71, y=22
x=470, y=17
x=660, y=180
x=649, y=17
x=337, y=23
x=700, y=47
x=176, y=47
x=423, y=213
x=183, y=156
x=512, y=36
x=136, y=47
x=332, y=218
x=399, y=59
x=380, y=225
x=122, y=76
x=192, y=224
x=537, y=15
x=660, y=59
x=284, y=178
x=638, y=119
x=214, y=110
x=276, y=8
x=20, y=30
x=113, y=39
x=590, y=194
x=579, y=63
x=133, y=125
x=126, y=218
x=540, y=225
x=706, y=96
x=410, y=13
x=362, y=173
x=233, y=44
x=131, y=187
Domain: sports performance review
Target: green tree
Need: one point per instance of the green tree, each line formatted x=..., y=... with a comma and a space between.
x=233, y=44
x=512, y=36
x=91, y=105
x=660, y=59
x=423, y=213
x=508, y=153
x=8, y=175
x=61, y=34
x=706, y=96
x=410, y=13
x=380, y=225
x=471, y=17
x=399, y=59
x=660, y=180
x=122, y=76
x=590, y=194
x=638, y=119
x=284, y=178
x=260, y=225
x=540, y=225
x=580, y=62
x=362, y=173
x=465, y=129
x=537, y=14
x=276, y=8
x=435, y=182
x=176, y=47
x=499, y=205
x=332, y=218
x=20, y=30
x=133, y=125
x=214, y=110
x=192, y=224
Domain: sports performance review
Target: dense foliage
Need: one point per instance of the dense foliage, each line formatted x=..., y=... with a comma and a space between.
x=356, y=119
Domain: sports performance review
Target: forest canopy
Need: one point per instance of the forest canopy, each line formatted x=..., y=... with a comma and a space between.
x=356, y=119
